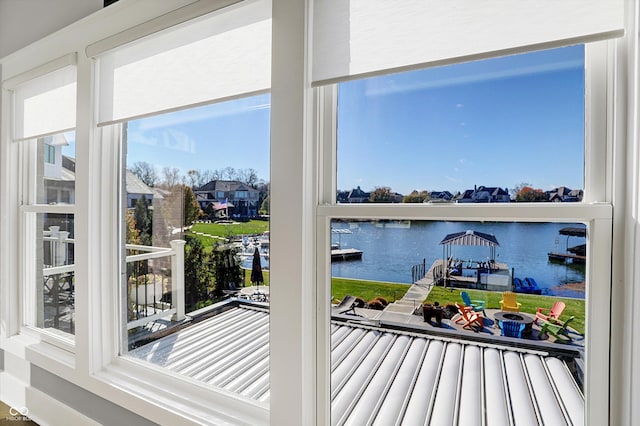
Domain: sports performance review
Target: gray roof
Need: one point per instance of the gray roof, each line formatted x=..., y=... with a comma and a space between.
x=470, y=238
x=382, y=376
x=226, y=185
x=136, y=186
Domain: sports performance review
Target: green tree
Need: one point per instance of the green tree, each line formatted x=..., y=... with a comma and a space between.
x=143, y=220
x=192, y=211
x=133, y=235
x=381, y=194
x=198, y=276
x=265, y=206
x=180, y=207
x=416, y=197
x=226, y=268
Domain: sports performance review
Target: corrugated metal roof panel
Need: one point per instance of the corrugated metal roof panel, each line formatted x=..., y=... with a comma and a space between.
x=384, y=377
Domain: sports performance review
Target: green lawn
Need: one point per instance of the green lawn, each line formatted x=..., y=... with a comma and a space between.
x=530, y=302
x=237, y=228
x=227, y=230
x=247, y=277
x=367, y=290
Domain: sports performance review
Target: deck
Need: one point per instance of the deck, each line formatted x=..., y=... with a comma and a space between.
x=563, y=257
x=346, y=254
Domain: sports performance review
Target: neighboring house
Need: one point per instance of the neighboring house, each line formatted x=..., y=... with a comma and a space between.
x=136, y=189
x=59, y=172
x=342, y=196
x=396, y=197
x=485, y=194
x=357, y=195
x=440, y=196
x=242, y=199
x=563, y=194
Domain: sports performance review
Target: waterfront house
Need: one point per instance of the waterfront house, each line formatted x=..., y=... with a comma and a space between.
x=563, y=194
x=241, y=198
x=484, y=194
x=357, y=195
x=440, y=196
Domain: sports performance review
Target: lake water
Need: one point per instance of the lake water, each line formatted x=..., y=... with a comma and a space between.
x=390, y=250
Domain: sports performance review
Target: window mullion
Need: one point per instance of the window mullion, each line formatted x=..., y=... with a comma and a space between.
x=598, y=162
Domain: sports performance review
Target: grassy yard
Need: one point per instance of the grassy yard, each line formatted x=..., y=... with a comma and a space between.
x=227, y=230
x=367, y=290
x=247, y=277
x=223, y=231
x=530, y=302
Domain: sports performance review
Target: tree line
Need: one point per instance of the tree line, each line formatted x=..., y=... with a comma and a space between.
x=167, y=177
x=523, y=192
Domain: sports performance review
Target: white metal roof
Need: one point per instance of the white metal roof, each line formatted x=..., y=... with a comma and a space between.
x=384, y=377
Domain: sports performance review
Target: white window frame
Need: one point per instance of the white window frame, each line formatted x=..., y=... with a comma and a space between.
x=29, y=233
x=300, y=214
x=23, y=202
x=596, y=211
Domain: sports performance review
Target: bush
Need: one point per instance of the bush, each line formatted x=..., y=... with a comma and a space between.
x=382, y=300
x=375, y=304
x=360, y=303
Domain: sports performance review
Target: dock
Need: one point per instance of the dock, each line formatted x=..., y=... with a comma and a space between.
x=345, y=254
x=435, y=276
x=563, y=257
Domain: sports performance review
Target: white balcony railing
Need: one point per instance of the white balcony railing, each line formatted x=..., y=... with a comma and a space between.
x=148, y=302
x=149, y=278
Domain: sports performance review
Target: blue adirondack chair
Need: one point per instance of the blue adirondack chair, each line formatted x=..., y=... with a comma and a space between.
x=476, y=305
x=511, y=328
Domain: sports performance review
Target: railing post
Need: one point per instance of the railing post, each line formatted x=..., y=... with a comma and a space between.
x=177, y=278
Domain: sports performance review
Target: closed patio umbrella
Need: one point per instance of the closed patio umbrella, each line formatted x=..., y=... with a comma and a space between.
x=256, y=269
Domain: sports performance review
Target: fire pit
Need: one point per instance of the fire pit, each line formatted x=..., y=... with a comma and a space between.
x=517, y=317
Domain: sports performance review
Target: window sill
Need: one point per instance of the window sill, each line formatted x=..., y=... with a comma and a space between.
x=42, y=354
x=168, y=398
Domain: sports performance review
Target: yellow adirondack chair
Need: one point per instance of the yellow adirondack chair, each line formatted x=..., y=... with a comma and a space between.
x=509, y=302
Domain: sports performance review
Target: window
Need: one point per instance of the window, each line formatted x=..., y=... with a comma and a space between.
x=48, y=236
x=49, y=154
x=407, y=224
x=187, y=252
x=149, y=81
x=465, y=130
x=44, y=102
x=164, y=214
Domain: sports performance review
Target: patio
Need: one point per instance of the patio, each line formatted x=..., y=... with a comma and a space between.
x=490, y=329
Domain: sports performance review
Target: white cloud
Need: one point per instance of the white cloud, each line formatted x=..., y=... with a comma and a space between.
x=178, y=141
x=498, y=74
x=200, y=114
x=142, y=139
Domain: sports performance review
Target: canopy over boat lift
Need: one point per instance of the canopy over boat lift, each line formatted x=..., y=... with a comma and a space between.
x=576, y=254
x=484, y=274
x=470, y=238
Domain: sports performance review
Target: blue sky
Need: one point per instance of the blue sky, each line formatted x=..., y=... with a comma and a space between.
x=229, y=134
x=498, y=122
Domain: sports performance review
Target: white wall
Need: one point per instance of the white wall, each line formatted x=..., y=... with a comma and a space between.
x=24, y=21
